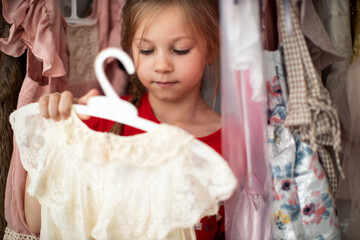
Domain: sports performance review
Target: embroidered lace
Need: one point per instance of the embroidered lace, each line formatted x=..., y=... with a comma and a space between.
x=11, y=235
x=95, y=185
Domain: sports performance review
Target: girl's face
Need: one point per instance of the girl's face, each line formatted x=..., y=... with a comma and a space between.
x=169, y=62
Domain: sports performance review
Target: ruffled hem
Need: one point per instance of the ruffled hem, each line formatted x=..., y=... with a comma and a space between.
x=12, y=235
x=33, y=27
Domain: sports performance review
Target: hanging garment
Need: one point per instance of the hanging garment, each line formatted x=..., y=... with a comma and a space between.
x=326, y=28
x=351, y=153
x=303, y=207
x=244, y=38
x=270, y=33
x=109, y=22
x=356, y=33
x=312, y=113
x=244, y=120
x=142, y=186
x=335, y=16
x=321, y=48
x=285, y=208
x=11, y=77
x=276, y=87
x=39, y=28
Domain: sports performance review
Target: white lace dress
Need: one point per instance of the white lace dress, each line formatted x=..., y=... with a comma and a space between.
x=94, y=185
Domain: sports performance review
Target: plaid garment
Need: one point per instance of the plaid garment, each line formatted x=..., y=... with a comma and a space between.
x=312, y=113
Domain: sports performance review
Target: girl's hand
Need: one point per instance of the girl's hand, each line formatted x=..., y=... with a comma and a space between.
x=58, y=105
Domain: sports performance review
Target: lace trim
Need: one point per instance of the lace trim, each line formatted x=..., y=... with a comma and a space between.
x=113, y=146
x=11, y=235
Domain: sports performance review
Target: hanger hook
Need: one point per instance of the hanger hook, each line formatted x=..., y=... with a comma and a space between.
x=123, y=57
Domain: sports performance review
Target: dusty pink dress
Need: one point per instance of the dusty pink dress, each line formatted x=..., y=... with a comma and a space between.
x=39, y=28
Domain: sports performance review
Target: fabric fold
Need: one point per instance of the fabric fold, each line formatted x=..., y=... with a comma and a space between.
x=32, y=28
x=318, y=124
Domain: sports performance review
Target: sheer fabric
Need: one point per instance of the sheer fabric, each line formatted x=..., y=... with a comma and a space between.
x=356, y=33
x=244, y=119
x=335, y=16
x=95, y=185
x=321, y=48
x=351, y=153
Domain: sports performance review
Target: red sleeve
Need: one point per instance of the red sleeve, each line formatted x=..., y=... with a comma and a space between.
x=99, y=124
x=212, y=227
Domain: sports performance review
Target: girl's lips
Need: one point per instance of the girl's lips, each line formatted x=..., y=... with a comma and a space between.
x=165, y=84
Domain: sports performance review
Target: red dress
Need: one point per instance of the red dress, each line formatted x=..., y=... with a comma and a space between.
x=211, y=227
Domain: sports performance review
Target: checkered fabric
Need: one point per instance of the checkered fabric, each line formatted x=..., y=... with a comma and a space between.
x=312, y=113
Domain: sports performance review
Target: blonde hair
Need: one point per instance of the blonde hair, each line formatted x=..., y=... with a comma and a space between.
x=201, y=15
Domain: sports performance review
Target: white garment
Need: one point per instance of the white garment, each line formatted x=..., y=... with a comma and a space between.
x=95, y=185
x=242, y=43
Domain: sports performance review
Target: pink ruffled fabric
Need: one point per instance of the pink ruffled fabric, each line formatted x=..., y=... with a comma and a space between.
x=109, y=25
x=39, y=28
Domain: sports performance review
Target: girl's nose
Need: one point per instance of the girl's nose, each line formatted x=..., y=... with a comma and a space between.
x=163, y=63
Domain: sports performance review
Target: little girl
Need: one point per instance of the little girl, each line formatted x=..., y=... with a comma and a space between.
x=172, y=42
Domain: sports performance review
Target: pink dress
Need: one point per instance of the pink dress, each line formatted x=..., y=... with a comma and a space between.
x=39, y=28
x=243, y=104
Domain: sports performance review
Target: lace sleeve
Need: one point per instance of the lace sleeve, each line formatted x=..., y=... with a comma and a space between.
x=210, y=171
x=30, y=137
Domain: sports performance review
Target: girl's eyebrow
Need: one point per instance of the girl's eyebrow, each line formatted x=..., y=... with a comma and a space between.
x=142, y=39
x=182, y=38
x=174, y=39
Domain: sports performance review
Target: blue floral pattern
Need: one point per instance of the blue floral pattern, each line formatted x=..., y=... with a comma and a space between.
x=303, y=206
x=286, y=206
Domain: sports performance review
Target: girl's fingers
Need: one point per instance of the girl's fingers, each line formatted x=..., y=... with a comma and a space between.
x=89, y=94
x=56, y=105
x=43, y=105
x=53, y=105
x=84, y=99
x=65, y=104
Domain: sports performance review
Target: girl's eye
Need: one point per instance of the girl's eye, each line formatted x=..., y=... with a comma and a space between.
x=146, y=52
x=181, y=52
